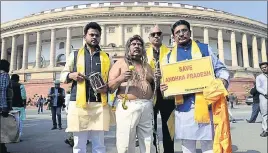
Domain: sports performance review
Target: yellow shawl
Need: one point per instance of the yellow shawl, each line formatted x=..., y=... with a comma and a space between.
x=201, y=107
x=201, y=114
x=81, y=86
x=163, y=52
x=215, y=95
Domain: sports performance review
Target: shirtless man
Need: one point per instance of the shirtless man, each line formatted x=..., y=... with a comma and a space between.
x=138, y=117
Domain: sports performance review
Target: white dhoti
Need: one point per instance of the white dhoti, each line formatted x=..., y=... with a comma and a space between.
x=263, y=110
x=92, y=121
x=137, y=119
x=189, y=131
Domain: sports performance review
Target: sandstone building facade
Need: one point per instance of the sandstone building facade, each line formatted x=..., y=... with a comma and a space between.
x=37, y=45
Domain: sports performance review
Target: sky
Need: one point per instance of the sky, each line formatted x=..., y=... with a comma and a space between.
x=256, y=10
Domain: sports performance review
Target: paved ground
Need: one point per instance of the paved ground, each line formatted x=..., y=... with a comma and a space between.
x=38, y=138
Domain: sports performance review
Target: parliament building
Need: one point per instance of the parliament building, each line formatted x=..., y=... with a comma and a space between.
x=38, y=45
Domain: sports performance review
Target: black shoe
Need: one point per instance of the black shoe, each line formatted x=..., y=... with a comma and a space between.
x=233, y=121
x=249, y=121
x=264, y=134
x=69, y=142
x=54, y=128
x=88, y=142
x=60, y=128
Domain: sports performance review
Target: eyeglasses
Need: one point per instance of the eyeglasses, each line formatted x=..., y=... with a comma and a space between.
x=155, y=33
x=134, y=44
x=183, y=31
x=92, y=35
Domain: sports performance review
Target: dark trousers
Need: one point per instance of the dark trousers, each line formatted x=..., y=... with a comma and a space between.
x=165, y=107
x=40, y=108
x=255, y=112
x=55, y=110
x=3, y=148
x=232, y=104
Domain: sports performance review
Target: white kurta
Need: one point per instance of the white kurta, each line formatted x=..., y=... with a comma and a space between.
x=94, y=117
x=261, y=85
x=187, y=128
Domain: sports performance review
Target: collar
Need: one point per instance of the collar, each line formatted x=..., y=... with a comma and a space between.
x=187, y=46
x=97, y=49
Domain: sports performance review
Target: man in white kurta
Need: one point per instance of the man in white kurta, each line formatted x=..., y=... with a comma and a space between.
x=261, y=86
x=91, y=115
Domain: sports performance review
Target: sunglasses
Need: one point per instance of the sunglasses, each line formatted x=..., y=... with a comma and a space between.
x=155, y=33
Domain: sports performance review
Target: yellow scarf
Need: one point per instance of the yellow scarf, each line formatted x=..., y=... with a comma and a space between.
x=81, y=86
x=201, y=113
x=215, y=95
x=163, y=52
x=201, y=107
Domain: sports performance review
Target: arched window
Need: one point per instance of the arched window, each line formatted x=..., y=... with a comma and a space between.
x=61, y=45
x=112, y=45
x=61, y=60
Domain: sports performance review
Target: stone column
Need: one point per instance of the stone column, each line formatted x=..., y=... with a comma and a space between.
x=220, y=45
x=38, y=50
x=19, y=59
x=139, y=32
x=103, y=35
x=13, y=60
x=192, y=32
x=263, y=50
x=255, y=52
x=233, y=49
x=121, y=35
x=3, y=49
x=245, y=50
x=25, y=51
x=68, y=42
x=83, y=40
x=52, y=48
x=206, y=37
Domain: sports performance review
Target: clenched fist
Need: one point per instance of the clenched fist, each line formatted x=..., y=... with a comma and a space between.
x=76, y=76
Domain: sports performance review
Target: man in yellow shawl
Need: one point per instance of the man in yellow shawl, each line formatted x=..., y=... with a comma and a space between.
x=155, y=53
x=193, y=116
x=88, y=112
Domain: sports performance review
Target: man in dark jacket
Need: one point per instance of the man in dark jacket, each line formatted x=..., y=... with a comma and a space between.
x=56, y=95
x=19, y=99
x=255, y=105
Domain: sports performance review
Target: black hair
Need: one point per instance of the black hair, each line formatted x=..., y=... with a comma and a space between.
x=4, y=65
x=15, y=77
x=92, y=25
x=180, y=22
x=263, y=63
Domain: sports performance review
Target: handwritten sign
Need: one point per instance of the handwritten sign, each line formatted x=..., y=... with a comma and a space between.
x=188, y=76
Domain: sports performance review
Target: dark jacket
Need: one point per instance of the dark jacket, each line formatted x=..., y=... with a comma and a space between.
x=17, y=99
x=60, y=100
x=255, y=95
x=92, y=64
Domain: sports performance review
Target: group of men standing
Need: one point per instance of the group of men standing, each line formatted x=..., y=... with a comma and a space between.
x=135, y=82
